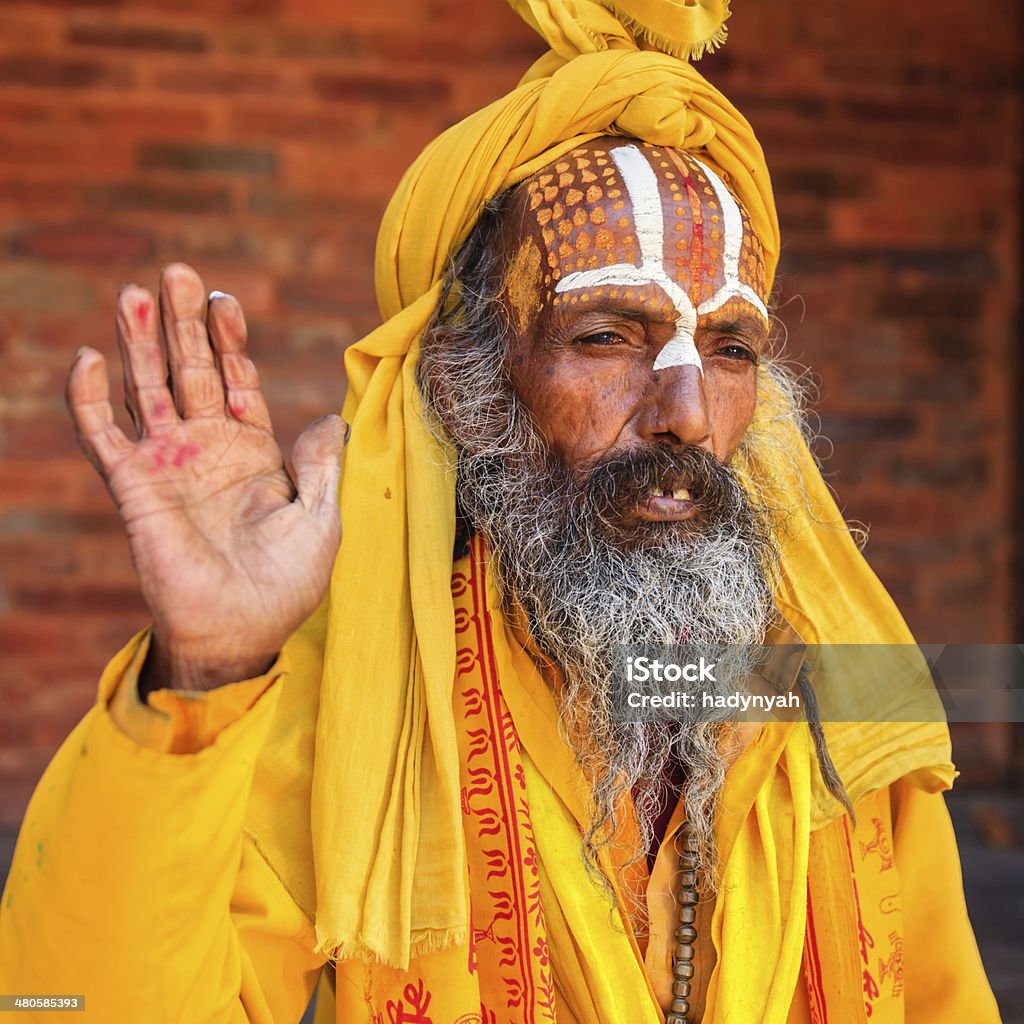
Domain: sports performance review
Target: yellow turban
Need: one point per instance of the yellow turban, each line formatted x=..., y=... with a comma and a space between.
x=387, y=833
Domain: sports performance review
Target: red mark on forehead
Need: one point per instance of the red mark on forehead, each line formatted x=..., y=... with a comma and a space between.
x=696, y=242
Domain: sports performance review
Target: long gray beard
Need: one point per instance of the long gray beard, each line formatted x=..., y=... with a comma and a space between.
x=589, y=585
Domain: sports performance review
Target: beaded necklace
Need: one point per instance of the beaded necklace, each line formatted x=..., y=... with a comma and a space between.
x=686, y=932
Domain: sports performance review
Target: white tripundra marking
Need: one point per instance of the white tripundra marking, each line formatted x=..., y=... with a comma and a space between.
x=641, y=185
x=732, y=225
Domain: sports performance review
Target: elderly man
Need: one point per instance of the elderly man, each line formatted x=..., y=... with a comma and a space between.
x=407, y=779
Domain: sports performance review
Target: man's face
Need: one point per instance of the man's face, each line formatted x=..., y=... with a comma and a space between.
x=636, y=291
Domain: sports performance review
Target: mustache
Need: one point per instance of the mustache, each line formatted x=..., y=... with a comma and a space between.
x=615, y=484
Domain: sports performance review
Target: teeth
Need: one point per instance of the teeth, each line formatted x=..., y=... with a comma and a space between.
x=682, y=494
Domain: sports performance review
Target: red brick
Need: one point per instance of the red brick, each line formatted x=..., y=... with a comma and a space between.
x=25, y=635
x=83, y=243
x=289, y=40
x=40, y=72
x=381, y=89
x=453, y=49
x=160, y=38
x=227, y=9
x=29, y=288
x=289, y=204
x=219, y=81
x=130, y=117
x=936, y=109
x=319, y=295
x=941, y=302
x=39, y=521
x=69, y=483
x=242, y=160
x=291, y=121
x=152, y=198
x=834, y=183
x=65, y=600
x=31, y=25
x=24, y=112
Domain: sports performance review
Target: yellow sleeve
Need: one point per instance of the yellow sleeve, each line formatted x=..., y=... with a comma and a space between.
x=944, y=977
x=133, y=885
x=176, y=721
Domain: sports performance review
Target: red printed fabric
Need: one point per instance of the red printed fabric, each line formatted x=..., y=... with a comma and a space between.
x=509, y=947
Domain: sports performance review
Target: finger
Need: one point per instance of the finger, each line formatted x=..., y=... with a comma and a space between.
x=146, y=393
x=244, y=398
x=88, y=399
x=316, y=459
x=194, y=378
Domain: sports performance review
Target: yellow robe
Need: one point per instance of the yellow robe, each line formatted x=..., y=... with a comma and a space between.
x=165, y=871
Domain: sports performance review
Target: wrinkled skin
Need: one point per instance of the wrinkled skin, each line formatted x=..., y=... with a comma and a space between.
x=582, y=360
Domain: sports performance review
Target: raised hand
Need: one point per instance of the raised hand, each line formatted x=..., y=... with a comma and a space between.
x=231, y=553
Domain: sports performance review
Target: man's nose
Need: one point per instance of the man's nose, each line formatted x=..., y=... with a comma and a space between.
x=677, y=408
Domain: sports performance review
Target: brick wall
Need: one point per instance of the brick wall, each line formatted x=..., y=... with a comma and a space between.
x=893, y=135
x=260, y=140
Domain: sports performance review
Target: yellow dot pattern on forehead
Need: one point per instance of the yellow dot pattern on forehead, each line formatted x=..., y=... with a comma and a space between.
x=641, y=184
x=585, y=213
x=570, y=206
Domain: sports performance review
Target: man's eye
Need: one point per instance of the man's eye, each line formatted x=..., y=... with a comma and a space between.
x=737, y=352
x=601, y=338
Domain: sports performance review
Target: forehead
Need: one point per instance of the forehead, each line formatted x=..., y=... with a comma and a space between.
x=618, y=203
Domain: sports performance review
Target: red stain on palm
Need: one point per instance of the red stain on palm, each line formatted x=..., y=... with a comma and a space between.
x=176, y=455
x=160, y=407
x=145, y=307
x=185, y=454
x=237, y=405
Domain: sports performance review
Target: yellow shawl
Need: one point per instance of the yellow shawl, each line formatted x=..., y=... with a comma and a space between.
x=391, y=876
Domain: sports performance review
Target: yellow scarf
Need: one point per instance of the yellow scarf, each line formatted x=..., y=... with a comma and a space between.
x=389, y=851
x=541, y=934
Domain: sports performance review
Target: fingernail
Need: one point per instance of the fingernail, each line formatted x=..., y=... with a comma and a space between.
x=219, y=295
x=81, y=352
x=348, y=432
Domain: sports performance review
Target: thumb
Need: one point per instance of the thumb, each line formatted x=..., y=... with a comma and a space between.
x=316, y=459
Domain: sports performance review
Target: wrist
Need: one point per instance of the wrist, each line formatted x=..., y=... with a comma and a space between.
x=177, y=667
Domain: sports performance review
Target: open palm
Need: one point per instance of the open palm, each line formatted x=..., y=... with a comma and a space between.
x=231, y=553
